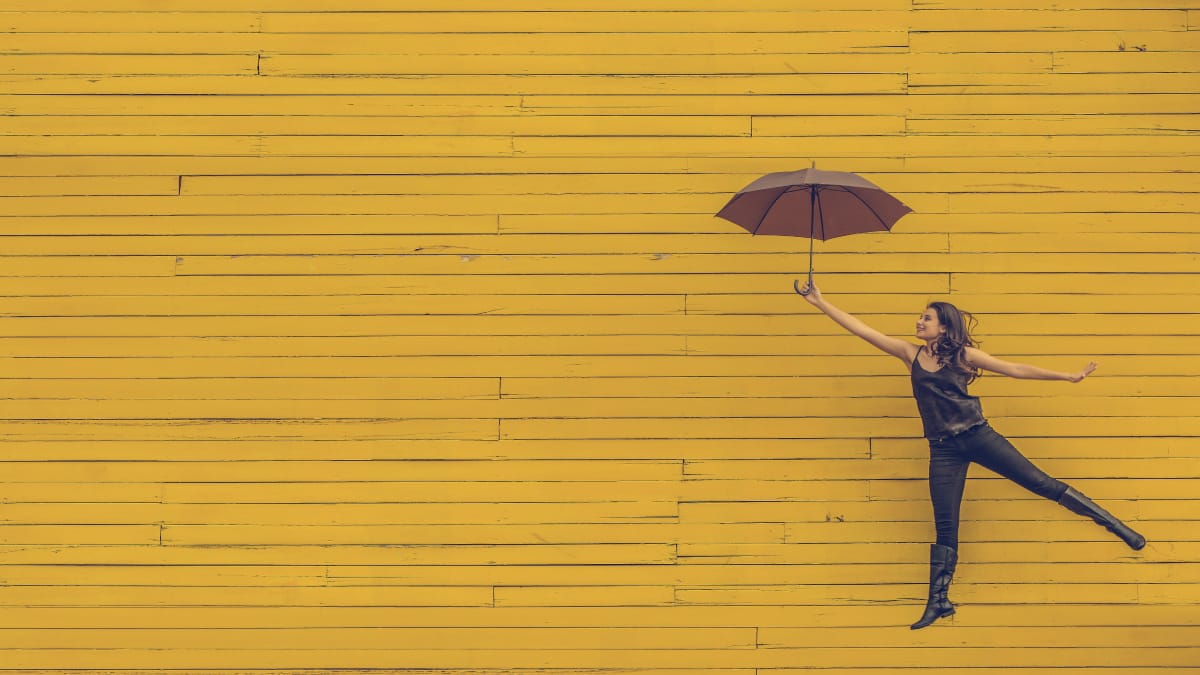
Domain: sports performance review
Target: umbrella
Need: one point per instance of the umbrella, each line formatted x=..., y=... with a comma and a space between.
x=815, y=204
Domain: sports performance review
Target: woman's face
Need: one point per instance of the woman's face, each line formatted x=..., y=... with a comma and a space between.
x=928, y=326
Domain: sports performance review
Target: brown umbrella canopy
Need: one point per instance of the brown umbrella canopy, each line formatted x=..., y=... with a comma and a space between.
x=815, y=204
x=787, y=203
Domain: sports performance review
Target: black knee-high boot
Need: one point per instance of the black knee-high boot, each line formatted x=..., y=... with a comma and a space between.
x=942, y=560
x=1079, y=503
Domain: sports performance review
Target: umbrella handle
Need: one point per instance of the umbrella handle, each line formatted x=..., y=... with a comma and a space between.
x=796, y=285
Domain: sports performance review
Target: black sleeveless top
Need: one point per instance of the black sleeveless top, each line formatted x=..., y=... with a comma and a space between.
x=946, y=407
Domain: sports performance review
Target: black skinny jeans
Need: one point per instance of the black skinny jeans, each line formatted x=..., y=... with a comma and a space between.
x=948, y=462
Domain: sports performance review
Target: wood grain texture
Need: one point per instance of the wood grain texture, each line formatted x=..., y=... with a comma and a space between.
x=369, y=336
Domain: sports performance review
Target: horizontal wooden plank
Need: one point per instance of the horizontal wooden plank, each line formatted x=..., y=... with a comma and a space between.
x=1052, y=19
x=217, y=429
x=429, y=470
x=918, y=145
x=1055, y=615
x=246, y=145
x=170, y=576
x=817, y=412
x=540, y=366
x=508, y=224
x=606, y=21
x=841, y=83
x=432, y=388
x=418, y=345
x=540, y=659
x=89, y=266
x=818, y=427
x=702, y=204
x=890, y=40
x=119, y=22
x=932, y=101
x=678, y=168
x=79, y=535
x=102, y=185
x=667, y=263
x=496, y=514
x=361, y=305
x=981, y=304
x=591, y=638
x=561, y=284
x=844, y=387
x=378, y=554
x=482, y=125
x=544, y=596
x=1058, y=5
x=457, y=535
x=1008, y=243
x=451, y=448
x=1128, y=61
x=1058, y=124
x=129, y=64
x=1065, y=283
x=969, y=38
x=395, y=596
x=531, y=185
x=1064, y=83
x=451, y=5
x=624, y=64
x=411, y=638
x=734, y=240
x=727, y=390
x=244, y=224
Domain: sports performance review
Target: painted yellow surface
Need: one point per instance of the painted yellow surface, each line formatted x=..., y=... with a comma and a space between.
x=400, y=336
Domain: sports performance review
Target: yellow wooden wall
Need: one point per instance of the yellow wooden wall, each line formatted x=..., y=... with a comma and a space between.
x=400, y=335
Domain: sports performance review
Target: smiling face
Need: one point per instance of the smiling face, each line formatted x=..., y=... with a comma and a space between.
x=928, y=325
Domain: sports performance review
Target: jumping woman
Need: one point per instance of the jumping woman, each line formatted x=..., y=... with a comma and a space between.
x=957, y=432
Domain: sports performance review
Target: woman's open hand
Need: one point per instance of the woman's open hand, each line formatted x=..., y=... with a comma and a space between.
x=1078, y=377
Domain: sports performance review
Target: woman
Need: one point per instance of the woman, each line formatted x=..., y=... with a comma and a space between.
x=957, y=432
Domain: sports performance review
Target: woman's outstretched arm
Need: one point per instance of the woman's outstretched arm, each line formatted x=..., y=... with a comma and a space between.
x=1023, y=371
x=905, y=351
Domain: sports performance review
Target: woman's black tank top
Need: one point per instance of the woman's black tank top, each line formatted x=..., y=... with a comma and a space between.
x=946, y=407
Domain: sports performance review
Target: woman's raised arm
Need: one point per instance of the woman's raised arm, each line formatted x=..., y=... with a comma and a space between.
x=901, y=349
x=1023, y=371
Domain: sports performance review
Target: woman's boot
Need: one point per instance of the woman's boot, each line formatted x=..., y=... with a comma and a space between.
x=1079, y=503
x=941, y=570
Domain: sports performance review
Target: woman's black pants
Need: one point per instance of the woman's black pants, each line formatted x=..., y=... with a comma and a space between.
x=948, y=462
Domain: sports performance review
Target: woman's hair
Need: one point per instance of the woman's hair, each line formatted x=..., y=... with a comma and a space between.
x=950, y=348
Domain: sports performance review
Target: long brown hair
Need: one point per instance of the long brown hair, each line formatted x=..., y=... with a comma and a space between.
x=950, y=348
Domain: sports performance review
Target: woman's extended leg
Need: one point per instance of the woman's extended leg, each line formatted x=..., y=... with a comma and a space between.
x=995, y=452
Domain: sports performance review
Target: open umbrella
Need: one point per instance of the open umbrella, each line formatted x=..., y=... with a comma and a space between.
x=815, y=204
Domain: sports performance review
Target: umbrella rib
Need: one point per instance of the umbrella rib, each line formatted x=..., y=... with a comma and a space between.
x=767, y=211
x=869, y=207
